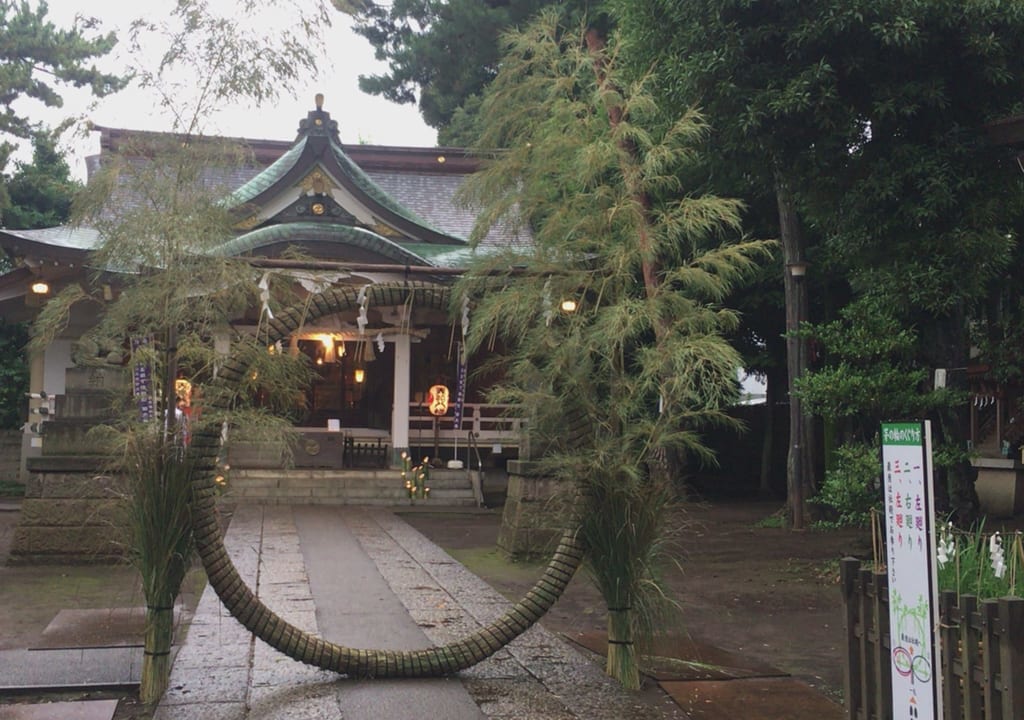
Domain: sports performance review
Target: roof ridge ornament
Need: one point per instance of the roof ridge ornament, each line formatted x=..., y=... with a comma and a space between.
x=319, y=123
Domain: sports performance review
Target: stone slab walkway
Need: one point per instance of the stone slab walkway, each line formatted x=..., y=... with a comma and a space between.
x=364, y=577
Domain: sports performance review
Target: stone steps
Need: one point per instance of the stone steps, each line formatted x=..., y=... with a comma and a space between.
x=345, y=487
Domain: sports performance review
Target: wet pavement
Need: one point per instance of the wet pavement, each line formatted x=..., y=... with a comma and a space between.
x=365, y=578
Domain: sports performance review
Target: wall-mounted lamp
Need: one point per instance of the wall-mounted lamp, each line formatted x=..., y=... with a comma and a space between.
x=797, y=269
x=360, y=375
x=569, y=305
x=40, y=288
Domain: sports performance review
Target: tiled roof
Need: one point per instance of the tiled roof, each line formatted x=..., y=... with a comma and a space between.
x=433, y=196
x=423, y=193
x=375, y=191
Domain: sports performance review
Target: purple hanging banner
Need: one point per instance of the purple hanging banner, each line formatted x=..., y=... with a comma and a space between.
x=142, y=382
x=460, y=390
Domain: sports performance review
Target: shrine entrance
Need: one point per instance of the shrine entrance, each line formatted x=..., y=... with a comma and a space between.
x=354, y=383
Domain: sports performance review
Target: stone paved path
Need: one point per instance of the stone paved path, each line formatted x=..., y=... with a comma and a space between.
x=365, y=577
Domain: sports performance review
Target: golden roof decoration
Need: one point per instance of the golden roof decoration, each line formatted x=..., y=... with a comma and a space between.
x=385, y=230
x=317, y=182
x=248, y=223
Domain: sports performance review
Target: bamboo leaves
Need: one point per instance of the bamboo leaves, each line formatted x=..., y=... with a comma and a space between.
x=639, y=365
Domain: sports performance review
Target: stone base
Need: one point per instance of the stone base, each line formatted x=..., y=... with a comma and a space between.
x=72, y=514
x=10, y=455
x=534, y=515
x=1000, y=486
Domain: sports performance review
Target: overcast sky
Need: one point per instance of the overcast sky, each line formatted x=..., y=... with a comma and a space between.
x=362, y=118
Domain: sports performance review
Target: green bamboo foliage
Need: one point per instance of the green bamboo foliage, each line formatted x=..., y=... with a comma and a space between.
x=639, y=365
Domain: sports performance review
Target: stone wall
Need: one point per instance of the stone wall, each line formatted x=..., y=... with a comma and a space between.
x=534, y=515
x=71, y=513
x=10, y=455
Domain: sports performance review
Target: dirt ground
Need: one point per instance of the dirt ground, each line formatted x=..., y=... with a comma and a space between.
x=764, y=593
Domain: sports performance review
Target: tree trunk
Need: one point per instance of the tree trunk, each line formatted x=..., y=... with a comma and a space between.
x=622, y=658
x=156, y=657
x=768, y=441
x=799, y=468
x=947, y=346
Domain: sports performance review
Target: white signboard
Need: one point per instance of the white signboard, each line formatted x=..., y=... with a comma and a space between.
x=913, y=591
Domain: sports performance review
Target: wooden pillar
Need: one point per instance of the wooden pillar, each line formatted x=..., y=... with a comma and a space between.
x=400, y=410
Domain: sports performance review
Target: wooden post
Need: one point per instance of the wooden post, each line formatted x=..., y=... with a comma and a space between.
x=869, y=629
x=952, y=695
x=990, y=659
x=437, y=436
x=883, y=648
x=969, y=643
x=852, y=678
x=1011, y=660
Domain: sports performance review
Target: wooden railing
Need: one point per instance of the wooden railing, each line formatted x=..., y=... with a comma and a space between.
x=490, y=424
x=981, y=647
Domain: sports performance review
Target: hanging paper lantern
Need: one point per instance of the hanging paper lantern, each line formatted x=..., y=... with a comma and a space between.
x=437, y=399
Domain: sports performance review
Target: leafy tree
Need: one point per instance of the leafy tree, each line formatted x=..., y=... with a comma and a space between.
x=865, y=118
x=444, y=52
x=39, y=193
x=870, y=372
x=641, y=364
x=158, y=220
x=13, y=374
x=37, y=58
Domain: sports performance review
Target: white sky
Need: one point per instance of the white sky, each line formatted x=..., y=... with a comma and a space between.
x=361, y=117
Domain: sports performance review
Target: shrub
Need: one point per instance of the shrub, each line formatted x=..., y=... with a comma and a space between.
x=852, y=489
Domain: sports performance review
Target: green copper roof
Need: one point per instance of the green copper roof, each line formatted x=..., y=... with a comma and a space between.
x=318, y=144
x=321, y=232
x=62, y=236
x=442, y=255
x=266, y=179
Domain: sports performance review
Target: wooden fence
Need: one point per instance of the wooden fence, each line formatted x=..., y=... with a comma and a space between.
x=489, y=423
x=981, y=647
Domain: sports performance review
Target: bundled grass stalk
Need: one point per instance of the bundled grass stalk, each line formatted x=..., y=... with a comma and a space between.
x=160, y=545
x=156, y=658
x=625, y=523
x=622, y=659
